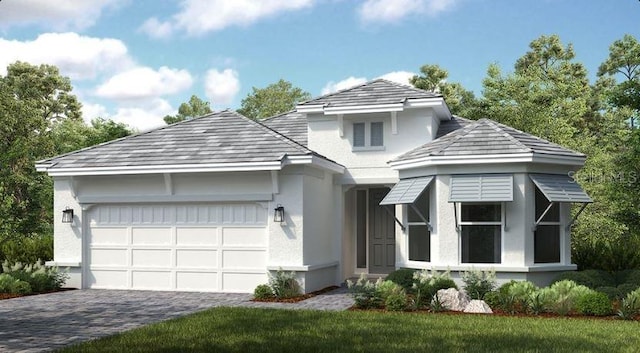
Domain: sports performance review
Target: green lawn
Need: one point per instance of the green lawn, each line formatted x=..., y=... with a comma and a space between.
x=271, y=330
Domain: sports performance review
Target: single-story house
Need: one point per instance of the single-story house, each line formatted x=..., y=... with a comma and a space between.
x=365, y=180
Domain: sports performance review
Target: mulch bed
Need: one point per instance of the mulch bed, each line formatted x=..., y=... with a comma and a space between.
x=11, y=296
x=298, y=298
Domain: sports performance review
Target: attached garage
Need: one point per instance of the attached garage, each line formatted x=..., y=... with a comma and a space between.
x=185, y=247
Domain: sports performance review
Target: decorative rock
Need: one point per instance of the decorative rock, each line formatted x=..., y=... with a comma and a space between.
x=478, y=306
x=452, y=299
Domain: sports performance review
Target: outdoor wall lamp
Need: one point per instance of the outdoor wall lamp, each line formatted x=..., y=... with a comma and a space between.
x=67, y=215
x=278, y=214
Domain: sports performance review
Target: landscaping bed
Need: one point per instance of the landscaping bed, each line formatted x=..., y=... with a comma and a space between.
x=297, y=298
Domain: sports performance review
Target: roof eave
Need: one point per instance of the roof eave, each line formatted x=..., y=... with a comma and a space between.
x=488, y=159
x=314, y=161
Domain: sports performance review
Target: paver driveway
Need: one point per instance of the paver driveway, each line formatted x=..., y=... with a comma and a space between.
x=45, y=322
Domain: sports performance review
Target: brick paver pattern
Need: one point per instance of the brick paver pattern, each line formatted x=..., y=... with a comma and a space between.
x=46, y=322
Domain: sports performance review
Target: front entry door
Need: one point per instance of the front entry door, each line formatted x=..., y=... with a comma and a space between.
x=382, y=240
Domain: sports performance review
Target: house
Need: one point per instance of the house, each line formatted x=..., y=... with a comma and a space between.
x=365, y=180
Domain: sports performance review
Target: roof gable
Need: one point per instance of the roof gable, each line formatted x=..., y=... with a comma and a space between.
x=376, y=92
x=486, y=137
x=217, y=138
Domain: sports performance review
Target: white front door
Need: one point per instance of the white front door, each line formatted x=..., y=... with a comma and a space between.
x=204, y=247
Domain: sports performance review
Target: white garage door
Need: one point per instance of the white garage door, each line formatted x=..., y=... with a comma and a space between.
x=208, y=247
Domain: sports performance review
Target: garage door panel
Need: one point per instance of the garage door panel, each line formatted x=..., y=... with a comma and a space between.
x=151, y=279
x=242, y=282
x=109, y=236
x=151, y=236
x=250, y=237
x=201, y=281
x=243, y=259
x=108, y=257
x=197, y=236
x=203, y=247
x=116, y=279
x=151, y=258
x=196, y=258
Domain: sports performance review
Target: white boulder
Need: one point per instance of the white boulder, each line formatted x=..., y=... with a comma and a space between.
x=478, y=306
x=452, y=299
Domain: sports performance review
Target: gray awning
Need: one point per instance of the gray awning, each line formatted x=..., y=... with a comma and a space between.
x=481, y=188
x=560, y=188
x=406, y=191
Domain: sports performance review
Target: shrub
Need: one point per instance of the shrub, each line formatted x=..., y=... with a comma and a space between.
x=632, y=277
x=478, y=283
x=21, y=287
x=593, y=303
x=402, y=277
x=426, y=284
x=387, y=288
x=516, y=296
x=9, y=284
x=630, y=305
x=561, y=296
x=611, y=292
x=263, y=291
x=365, y=293
x=493, y=299
x=284, y=285
x=626, y=288
x=589, y=278
x=397, y=300
x=39, y=277
x=27, y=249
x=6, y=281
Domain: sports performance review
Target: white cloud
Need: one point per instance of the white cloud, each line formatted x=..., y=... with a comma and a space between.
x=374, y=11
x=349, y=82
x=144, y=83
x=59, y=14
x=201, y=16
x=79, y=57
x=221, y=87
x=401, y=77
x=142, y=116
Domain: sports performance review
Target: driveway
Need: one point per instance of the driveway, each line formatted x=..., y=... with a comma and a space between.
x=45, y=322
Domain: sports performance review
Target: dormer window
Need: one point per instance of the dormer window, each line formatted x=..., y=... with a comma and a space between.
x=368, y=136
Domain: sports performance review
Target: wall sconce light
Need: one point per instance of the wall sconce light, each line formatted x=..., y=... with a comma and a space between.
x=278, y=214
x=67, y=215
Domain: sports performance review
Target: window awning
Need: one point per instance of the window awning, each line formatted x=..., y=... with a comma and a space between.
x=481, y=188
x=560, y=188
x=406, y=191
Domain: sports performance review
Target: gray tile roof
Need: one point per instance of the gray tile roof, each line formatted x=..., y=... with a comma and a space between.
x=375, y=92
x=291, y=124
x=452, y=125
x=484, y=137
x=221, y=137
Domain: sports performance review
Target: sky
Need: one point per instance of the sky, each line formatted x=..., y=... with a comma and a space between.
x=136, y=61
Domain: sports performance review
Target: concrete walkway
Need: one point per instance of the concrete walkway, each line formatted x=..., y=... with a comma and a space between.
x=50, y=321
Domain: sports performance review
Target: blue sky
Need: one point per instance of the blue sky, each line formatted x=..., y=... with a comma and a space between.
x=136, y=61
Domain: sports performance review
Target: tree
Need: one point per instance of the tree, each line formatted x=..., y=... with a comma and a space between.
x=194, y=108
x=276, y=98
x=624, y=60
x=460, y=101
x=71, y=135
x=33, y=100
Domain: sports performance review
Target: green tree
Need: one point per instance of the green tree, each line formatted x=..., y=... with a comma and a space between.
x=194, y=108
x=274, y=99
x=624, y=60
x=71, y=135
x=461, y=102
x=33, y=100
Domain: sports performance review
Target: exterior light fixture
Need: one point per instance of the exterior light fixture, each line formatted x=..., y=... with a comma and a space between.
x=67, y=215
x=278, y=214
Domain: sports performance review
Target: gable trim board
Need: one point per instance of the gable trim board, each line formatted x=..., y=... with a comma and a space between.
x=481, y=188
x=486, y=159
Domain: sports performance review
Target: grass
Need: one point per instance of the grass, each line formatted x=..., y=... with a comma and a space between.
x=272, y=330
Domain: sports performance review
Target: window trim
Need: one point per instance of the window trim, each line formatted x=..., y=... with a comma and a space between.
x=460, y=224
x=367, y=137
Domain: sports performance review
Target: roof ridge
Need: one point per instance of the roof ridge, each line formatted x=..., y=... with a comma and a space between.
x=460, y=134
x=279, y=115
x=273, y=132
x=336, y=92
x=507, y=127
x=496, y=126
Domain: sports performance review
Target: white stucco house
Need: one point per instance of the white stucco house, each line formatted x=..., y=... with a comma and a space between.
x=369, y=179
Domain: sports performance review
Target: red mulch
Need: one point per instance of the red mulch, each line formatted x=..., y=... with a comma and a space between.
x=298, y=298
x=10, y=296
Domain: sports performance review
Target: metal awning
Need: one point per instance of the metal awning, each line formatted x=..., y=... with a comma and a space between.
x=560, y=188
x=406, y=191
x=481, y=188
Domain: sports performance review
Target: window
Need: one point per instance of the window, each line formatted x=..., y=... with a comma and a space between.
x=481, y=232
x=419, y=235
x=368, y=136
x=547, y=235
